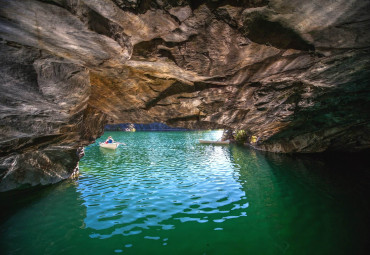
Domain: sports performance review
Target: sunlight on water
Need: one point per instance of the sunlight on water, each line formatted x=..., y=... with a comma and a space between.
x=172, y=183
x=164, y=193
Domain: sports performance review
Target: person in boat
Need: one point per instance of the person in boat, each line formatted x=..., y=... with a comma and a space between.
x=109, y=140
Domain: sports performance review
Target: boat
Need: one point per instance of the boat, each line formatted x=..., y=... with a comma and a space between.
x=131, y=128
x=111, y=146
x=214, y=142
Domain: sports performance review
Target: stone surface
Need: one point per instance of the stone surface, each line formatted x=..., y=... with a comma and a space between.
x=141, y=127
x=293, y=73
x=44, y=116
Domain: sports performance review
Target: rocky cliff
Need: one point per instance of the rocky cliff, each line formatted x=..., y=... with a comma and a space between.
x=295, y=73
x=142, y=127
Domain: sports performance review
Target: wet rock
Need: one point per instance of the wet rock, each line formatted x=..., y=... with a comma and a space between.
x=293, y=73
x=44, y=116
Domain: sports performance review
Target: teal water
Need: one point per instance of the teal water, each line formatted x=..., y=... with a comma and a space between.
x=163, y=193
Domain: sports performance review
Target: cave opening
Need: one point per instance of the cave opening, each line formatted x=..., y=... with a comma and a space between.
x=259, y=127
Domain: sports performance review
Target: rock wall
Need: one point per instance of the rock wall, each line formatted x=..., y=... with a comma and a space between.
x=45, y=118
x=142, y=127
x=295, y=73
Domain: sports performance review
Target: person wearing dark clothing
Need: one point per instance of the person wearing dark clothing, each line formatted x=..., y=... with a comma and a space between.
x=109, y=140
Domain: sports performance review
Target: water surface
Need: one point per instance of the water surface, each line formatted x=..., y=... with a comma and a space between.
x=163, y=193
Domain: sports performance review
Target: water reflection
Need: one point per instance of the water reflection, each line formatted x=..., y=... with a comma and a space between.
x=301, y=196
x=142, y=187
x=165, y=194
x=162, y=190
x=35, y=225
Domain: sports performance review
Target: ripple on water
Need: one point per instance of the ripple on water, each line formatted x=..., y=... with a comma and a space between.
x=163, y=193
x=133, y=189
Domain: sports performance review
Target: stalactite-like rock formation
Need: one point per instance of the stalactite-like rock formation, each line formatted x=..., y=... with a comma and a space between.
x=294, y=73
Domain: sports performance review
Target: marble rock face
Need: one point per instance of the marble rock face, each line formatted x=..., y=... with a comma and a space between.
x=294, y=73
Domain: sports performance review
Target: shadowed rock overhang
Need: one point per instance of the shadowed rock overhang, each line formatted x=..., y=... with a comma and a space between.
x=294, y=73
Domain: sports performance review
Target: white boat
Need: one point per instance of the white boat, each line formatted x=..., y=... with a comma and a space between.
x=215, y=142
x=111, y=146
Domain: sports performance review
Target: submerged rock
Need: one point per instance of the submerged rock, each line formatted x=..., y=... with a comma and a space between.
x=295, y=74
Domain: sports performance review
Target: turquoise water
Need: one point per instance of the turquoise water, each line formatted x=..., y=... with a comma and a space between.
x=163, y=193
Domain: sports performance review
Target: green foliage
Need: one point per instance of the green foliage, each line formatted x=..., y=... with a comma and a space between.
x=241, y=136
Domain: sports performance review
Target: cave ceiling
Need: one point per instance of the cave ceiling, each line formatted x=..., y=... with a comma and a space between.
x=294, y=73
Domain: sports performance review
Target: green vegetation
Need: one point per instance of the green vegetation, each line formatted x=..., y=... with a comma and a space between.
x=241, y=136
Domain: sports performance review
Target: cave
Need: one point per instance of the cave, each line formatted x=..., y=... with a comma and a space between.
x=294, y=75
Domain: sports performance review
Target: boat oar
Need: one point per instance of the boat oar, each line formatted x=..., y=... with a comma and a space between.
x=120, y=143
